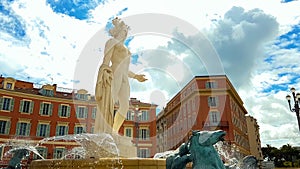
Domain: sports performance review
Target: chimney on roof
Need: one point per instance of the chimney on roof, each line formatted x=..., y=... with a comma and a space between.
x=54, y=88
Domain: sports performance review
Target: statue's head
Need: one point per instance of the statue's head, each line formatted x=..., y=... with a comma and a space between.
x=120, y=29
x=207, y=138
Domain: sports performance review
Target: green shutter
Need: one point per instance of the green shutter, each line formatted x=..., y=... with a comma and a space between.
x=57, y=130
x=18, y=128
x=147, y=134
x=217, y=101
x=50, y=109
x=48, y=130
x=85, y=112
x=66, y=130
x=59, y=110
x=38, y=130
x=75, y=130
x=94, y=112
x=21, y=105
x=31, y=107
x=51, y=93
x=209, y=101
x=41, y=108
x=28, y=129
x=1, y=103
x=12, y=101
x=68, y=111
x=7, y=128
x=77, y=110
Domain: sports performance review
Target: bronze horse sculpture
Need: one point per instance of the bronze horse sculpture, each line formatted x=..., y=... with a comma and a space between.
x=200, y=151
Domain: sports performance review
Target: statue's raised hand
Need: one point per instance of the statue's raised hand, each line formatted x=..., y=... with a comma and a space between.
x=140, y=78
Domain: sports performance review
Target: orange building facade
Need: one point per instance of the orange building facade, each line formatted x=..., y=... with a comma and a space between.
x=205, y=103
x=30, y=113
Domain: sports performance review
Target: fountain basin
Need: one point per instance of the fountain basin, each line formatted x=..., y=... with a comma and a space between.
x=102, y=163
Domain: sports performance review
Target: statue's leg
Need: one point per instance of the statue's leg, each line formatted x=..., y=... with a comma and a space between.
x=123, y=106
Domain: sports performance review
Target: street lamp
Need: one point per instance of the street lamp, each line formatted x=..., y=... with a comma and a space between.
x=296, y=100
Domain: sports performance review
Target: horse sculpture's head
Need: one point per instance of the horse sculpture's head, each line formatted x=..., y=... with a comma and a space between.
x=207, y=138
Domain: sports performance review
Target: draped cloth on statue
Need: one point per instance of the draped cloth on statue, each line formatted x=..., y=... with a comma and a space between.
x=103, y=95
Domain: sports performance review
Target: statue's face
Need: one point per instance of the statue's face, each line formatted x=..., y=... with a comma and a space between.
x=123, y=34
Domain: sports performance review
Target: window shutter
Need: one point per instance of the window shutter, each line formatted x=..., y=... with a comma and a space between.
x=31, y=107
x=18, y=129
x=50, y=109
x=55, y=153
x=51, y=93
x=75, y=130
x=12, y=101
x=38, y=130
x=209, y=101
x=77, y=110
x=57, y=130
x=217, y=100
x=66, y=130
x=48, y=130
x=68, y=111
x=21, y=106
x=7, y=129
x=59, y=110
x=41, y=108
x=28, y=129
x=85, y=112
x=1, y=103
x=42, y=91
x=147, y=134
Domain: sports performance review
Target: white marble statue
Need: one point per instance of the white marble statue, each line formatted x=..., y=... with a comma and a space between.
x=112, y=83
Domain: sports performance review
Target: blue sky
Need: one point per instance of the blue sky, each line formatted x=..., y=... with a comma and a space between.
x=256, y=44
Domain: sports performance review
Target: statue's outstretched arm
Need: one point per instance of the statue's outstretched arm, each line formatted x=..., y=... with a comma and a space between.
x=140, y=78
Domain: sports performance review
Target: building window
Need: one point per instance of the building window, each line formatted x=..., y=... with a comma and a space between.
x=59, y=153
x=23, y=128
x=92, y=129
x=211, y=85
x=143, y=153
x=94, y=111
x=64, y=111
x=144, y=116
x=4, y=127
x=46, y=109
x=214, y=117
x=128, y=132
x=46, y=92
x=61, y=130
x=82, y=96
x=79, y=130
x=6, y=104
x=130, y=116
x=42, y=151
x=144, y=134
x=8, y=86
x=43, y=130
x=26, y=106
x=212, y=101
x=81, y=112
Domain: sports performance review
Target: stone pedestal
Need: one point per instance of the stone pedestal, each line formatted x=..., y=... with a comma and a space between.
x=102, y=163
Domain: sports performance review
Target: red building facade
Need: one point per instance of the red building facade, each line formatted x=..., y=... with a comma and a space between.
x=205, y=103
x=30, y=113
